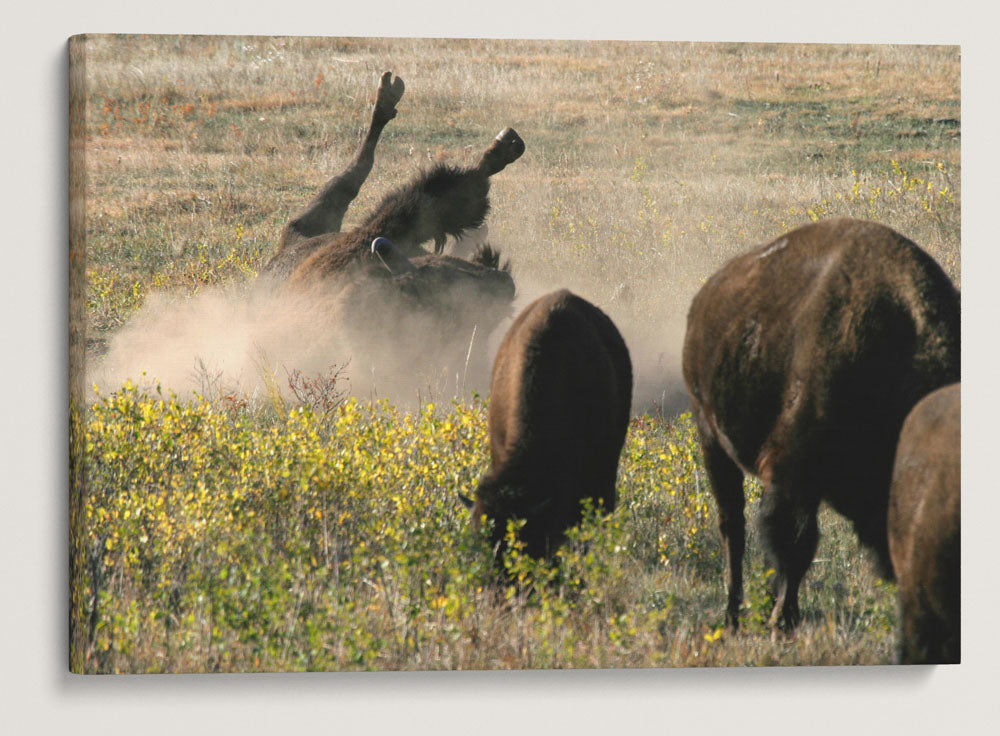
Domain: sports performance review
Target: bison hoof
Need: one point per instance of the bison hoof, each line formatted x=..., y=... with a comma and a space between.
x=508, y=145
x=390, y=91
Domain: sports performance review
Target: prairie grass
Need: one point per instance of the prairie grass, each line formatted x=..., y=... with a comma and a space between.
x=213, y=529
x=223, y=537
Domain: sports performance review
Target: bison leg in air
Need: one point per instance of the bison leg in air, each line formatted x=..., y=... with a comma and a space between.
x=506, y=148
x=467, y=205
x=326, y=212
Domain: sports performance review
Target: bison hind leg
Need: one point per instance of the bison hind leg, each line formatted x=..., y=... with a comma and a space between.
x=927, y=638
x=727, y=486
x=871, y=525
x=789, y=534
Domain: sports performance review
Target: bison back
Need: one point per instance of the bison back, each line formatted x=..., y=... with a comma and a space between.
x=560, y=400
x=813, y=348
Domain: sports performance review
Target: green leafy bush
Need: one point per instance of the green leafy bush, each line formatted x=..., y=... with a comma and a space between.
x=227, y=537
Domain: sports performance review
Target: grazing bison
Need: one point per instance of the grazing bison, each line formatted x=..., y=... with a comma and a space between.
x=426, y=308
x=925, y=529
x=559, y=409
x=802, y=358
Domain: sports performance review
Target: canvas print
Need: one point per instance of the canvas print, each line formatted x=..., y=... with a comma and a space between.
x=419, y=354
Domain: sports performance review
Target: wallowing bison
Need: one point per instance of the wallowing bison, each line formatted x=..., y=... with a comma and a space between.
x=422, y=306
x=559, y=409
x=444, y=200
x=802, y=358
x=925, y=529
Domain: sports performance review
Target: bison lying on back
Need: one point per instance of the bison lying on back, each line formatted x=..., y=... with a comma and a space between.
x=559, y=409
x=443, y=201
x=925, y=529
x=417, y=313
x=802, y=358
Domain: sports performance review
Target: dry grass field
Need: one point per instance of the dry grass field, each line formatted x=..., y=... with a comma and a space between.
x=207, y=519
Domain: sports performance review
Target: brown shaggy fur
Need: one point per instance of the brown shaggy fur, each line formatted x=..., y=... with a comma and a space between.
x=443, y=201
x=925, y=529
x=802, y=358
x=437, y=203
x=427, y=317
x=559, y=409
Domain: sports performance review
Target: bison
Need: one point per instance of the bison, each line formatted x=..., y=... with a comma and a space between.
x=925, y=529
x=443, y=201
x=423, y=313
x=802, y=357
x=559, y=409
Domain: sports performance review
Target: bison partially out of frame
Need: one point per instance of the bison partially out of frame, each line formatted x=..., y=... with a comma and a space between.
x=559, y=409
x=925, y=529
x=431, y=300
x=802, y=358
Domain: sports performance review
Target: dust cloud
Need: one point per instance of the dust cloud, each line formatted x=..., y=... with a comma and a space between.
x=653, y=332
x=245, y=341
x=242, y=342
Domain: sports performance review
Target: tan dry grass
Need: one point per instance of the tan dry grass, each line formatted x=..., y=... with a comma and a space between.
x=663, y=159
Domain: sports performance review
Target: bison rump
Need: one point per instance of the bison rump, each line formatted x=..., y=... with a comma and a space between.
x=559, y=407
x=925, y=529
x=802, y=358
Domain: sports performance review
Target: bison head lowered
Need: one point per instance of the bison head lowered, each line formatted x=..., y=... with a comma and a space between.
x=559, y=408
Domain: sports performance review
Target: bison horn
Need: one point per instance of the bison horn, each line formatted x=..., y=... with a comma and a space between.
x=466, y=501
x=391, y=257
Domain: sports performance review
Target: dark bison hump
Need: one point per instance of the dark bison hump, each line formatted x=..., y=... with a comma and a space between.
x=840, y=315
x=898, y=330
x=586, y=373
x=563, y=391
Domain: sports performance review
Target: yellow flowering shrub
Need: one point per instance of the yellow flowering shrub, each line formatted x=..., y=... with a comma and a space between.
x=221, y=539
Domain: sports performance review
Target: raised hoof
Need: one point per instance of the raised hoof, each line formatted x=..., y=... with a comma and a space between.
x=506, y=147
x=390, y=91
